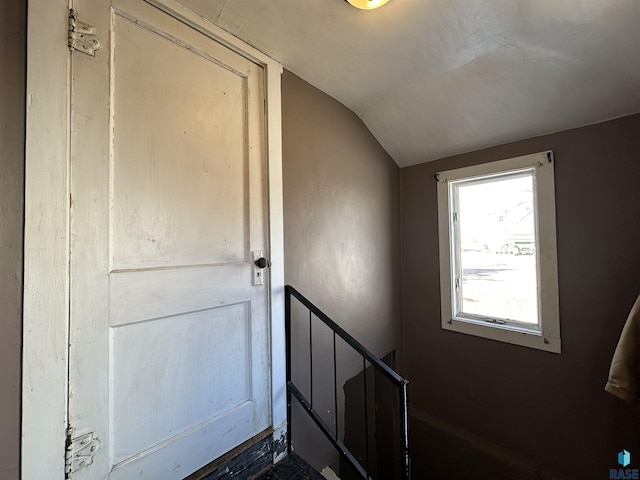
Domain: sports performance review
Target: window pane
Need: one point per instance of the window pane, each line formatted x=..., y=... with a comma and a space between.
x=497, y=248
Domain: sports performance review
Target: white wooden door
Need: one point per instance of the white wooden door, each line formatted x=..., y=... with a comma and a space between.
x=169, y=337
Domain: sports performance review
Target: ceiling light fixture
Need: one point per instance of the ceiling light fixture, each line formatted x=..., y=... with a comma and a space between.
x=367, y=4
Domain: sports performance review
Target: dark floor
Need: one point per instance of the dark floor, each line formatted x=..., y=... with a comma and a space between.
x=291, y=468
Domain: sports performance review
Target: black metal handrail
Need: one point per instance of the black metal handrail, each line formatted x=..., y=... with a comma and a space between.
x=292, y=391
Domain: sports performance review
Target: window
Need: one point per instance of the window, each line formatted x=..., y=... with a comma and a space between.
x=498, y=260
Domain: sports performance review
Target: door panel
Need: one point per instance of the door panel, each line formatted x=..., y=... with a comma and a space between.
x=179, y=184
x=169, y=360
x=167, y=365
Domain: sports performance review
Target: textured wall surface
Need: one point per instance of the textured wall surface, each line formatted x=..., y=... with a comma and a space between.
x=12, y=116
x=341, y=219
x=547, y=407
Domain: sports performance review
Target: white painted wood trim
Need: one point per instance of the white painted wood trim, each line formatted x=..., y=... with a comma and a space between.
x=276, y=246
x=46, y=243
x=179, y=11
x=46, y=294
x=548, y=338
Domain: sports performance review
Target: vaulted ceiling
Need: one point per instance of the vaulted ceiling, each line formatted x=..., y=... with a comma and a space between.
x=433, y=78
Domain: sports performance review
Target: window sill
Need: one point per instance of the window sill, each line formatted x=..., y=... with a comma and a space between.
x=504, y=333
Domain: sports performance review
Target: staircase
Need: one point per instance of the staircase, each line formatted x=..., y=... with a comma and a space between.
x=378, y=446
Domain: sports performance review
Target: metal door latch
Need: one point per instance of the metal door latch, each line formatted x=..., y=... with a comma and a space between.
x=82, y=37
x=80, y=452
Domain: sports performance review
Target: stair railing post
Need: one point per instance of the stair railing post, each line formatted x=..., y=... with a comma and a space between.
x=287, y=328
x=404, y=430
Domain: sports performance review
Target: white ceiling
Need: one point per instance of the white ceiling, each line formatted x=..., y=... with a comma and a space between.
x=433, y=78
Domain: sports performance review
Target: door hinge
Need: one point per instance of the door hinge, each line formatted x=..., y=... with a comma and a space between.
x=82, y=37
x=79, y=452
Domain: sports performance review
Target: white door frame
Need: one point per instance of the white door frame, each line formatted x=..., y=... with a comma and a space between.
x=46, y=256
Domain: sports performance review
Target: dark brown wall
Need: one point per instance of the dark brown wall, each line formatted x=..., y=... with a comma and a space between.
x=12, y=121
x=341, y=220
x=548, y=407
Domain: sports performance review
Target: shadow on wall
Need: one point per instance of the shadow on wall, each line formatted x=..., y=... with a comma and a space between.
x=372, y=429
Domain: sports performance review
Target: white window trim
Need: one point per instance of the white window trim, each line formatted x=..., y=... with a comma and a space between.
x=548, y=338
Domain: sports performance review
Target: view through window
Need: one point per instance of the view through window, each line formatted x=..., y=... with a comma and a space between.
x=496, y=252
